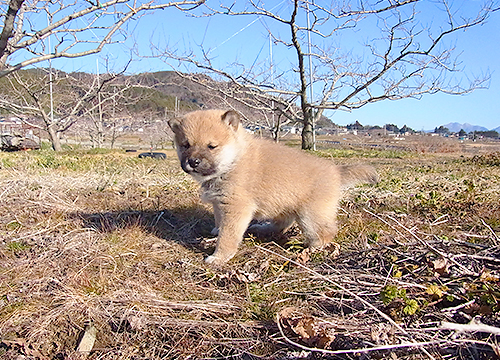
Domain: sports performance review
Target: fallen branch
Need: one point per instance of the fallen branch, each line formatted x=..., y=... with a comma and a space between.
x=455, y=308
x=473, y=326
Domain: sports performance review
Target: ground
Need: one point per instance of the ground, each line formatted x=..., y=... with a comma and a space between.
x=101, y=242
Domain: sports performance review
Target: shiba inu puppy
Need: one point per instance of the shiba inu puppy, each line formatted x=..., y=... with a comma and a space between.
x=247, y=178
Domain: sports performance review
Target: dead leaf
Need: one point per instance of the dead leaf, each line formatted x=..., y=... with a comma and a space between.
x=243, y=276
x=264, y=266
x=207, y=243
x=472, y=309
x=304, y=256
x=485, y=310
x=333, y=249
x=325, y=338
x=136, y=322
x=305, y=328
x=310, y=330
x=440, y=266
x=286, y=313
x=382, y=333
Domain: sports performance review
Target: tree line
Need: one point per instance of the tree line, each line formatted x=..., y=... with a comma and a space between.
x=462, y=133
x=387, y=127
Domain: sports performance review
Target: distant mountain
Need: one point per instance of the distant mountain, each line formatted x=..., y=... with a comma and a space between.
x=456, y=127
x=497, y=129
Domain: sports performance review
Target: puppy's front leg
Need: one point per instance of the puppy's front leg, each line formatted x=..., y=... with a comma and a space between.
x=217, y=216
x=233, y=224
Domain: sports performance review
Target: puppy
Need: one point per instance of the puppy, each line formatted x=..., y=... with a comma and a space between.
x=247, y=178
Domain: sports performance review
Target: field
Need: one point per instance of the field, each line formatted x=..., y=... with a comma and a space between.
x=101, y=257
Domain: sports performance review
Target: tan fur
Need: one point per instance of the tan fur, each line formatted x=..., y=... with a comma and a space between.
x=249, y=178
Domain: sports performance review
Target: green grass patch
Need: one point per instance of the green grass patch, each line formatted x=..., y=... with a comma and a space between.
x=362, y=153
x=17, y=246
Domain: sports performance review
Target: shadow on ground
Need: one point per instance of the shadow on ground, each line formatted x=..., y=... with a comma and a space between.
x=186, y=226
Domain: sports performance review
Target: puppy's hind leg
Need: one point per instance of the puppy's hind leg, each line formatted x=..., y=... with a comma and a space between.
x=276, y=226
x=319, y=228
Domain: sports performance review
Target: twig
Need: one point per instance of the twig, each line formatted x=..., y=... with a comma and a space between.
x=473, y=236
x=458, y=307
x=36, y=233
x=389, y=273
x=472, y=245
x=479, y=257
x=494, y=347
x=440, y=220
x=394, y=280
x=7, y=188
x=495, y=237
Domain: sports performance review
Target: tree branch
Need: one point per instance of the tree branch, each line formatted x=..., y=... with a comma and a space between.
x=60, y=27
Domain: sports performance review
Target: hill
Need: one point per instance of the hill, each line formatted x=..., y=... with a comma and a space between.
x=143, y=97
x=198, y=90
x=153, y=95
x=456, y=127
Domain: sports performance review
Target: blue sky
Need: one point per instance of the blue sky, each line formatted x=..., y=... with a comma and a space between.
x=246, y=40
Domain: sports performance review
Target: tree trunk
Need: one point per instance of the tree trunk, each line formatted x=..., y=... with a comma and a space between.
x=54, y=139
x=113, y=139
x=114, y=136
x=276, y=129
x=307, y=131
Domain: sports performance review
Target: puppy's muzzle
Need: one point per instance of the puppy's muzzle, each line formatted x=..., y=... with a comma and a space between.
x=187, y=165
x=195, y=165
x=194, y=162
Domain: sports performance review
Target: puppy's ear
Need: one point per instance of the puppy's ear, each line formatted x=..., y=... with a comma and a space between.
x=174, y=124
x=231, y=118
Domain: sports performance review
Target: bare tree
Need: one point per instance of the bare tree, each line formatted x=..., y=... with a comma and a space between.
x=404, y=56
x=78, y=28
x=77, y=96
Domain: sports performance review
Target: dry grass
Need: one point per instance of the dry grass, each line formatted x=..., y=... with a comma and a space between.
x=106, y=239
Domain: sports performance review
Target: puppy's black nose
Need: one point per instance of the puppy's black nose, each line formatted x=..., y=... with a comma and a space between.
x=194, y=162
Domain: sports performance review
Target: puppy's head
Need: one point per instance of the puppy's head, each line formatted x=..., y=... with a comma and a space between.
x=207, y=142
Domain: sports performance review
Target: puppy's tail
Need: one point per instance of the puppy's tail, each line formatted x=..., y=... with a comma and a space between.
x=355, y=174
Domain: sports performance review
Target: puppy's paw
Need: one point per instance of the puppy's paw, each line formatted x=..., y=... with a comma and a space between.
x=218, y=258
x=214, y=260
x=215, y=231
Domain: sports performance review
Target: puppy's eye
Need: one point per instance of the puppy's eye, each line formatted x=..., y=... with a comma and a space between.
x=211, y=146
x=185, y=145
